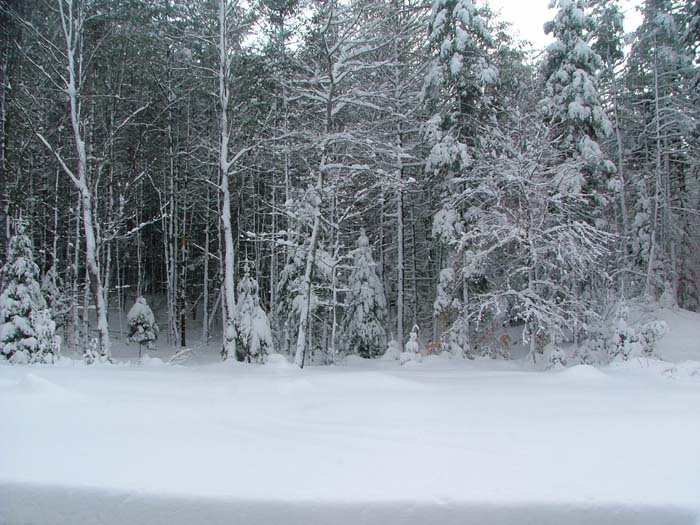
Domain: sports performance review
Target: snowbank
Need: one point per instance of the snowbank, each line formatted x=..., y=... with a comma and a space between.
x=682, y=343
x=452, y=442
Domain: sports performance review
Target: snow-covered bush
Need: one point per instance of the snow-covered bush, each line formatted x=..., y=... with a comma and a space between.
x=412, y=348
x=48, y=343
x=254, y=336
x=556, y=358
x=91, y=353
x=56, y=300
x=27, y=329
x=591, y=350
x=630, y=339
x=392, y=352
x=456, y=340
x=142, y=324
x=364, y=326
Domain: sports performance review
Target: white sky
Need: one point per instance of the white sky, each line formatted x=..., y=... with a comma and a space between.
x=528, y=17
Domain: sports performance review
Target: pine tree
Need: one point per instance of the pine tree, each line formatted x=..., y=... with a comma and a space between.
x=300, y=211
x=142, y=324
x=572, y=102
x=459, y=88
x=366, y=315
x=27, y=329
x=608, y=43
x=662, y=77
x=253, y=331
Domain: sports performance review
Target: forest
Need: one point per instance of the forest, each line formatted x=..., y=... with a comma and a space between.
x=319, y=178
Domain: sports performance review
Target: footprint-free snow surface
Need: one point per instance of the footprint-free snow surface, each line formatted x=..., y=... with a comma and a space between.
x=440, y=442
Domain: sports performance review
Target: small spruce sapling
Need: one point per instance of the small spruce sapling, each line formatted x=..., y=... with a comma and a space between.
x=254, y=336
x=412, y=347
x=556, y=358
x=364, y=327
x=142, y=325
x=638, y=339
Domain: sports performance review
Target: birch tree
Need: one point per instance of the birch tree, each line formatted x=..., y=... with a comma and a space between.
x=73, y=15
x=229, y=30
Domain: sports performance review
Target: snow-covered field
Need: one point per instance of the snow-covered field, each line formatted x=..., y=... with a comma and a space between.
x=438, y=442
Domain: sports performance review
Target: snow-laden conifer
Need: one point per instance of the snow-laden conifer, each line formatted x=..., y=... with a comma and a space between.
x=364, y=329
x=27, y=329
x=252, y=325
x=411, y=348
x=572, y=101
x=142, y=324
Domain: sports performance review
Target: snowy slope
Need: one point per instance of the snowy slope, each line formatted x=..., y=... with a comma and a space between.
x=439, y=442
x=682, y=343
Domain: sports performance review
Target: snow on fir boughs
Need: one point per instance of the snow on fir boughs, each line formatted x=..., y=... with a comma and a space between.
x=142, y=324
x=254, y=336
x=367, y=312
x=412, y=348
x=27, y=329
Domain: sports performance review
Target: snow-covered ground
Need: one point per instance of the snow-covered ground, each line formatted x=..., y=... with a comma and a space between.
x=437, y=442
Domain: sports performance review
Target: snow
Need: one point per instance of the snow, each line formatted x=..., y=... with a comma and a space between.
x=437, y=440
x=682, y=342
x=440, y=441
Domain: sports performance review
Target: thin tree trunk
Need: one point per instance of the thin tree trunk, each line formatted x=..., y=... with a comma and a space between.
x=229, y=350
x=72, y=31
x=75, y=336
x=650, y=284
x=400, y=266
x=205, y=277
x=305, y=312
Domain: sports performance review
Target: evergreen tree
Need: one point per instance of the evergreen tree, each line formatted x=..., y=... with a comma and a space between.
x=142, y=324
x=252, y=325
x=27, y=329
x=366, y=315
x=572, y=102
x=458, y=88
x=662, y=80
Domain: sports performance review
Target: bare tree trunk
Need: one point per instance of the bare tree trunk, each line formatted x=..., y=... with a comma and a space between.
x=72, y=25
x=655, y=241
x=400, y=265
x=4, y=195
x=334, y=280
x=205, y=278
x=465, y=306
x=305, y=312
x=75, y=335
x=229, y=350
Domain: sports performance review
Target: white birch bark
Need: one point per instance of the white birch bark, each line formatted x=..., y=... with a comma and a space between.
x=229, y=349
x=72, y=24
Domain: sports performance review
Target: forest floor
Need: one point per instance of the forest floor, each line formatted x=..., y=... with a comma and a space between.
x=437, y=442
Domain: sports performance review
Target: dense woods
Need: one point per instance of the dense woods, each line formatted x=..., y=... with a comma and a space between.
x=317, y=178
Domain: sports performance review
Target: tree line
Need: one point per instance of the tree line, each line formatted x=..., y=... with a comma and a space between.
x=354, y=168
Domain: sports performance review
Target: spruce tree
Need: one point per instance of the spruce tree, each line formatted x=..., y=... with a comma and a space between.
x=142, y=324
x=254, y=336
x=662, y=78
x=366, y=315
x=459, y=89
x=572, y=102
x=27, y=329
